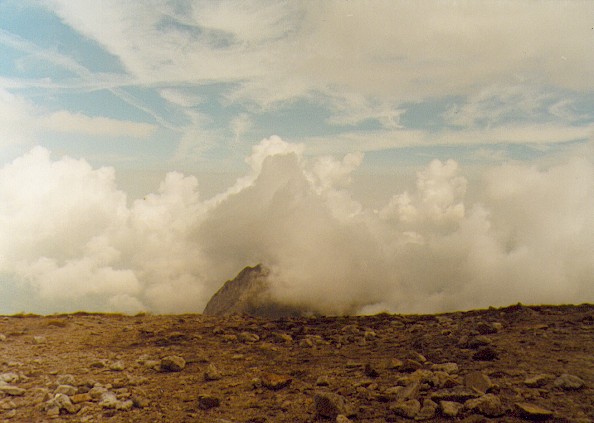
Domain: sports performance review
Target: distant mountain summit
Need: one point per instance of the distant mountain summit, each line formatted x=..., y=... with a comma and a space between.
x=249, y=293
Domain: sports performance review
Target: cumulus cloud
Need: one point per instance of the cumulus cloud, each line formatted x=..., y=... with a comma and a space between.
x=73, y=240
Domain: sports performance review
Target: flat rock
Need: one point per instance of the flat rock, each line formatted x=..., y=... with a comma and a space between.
x=478, y=382
x=458, y=394
x=537, y=381
x=449, y=368
x=12, y=390
x=569, y=382
x=532, y=412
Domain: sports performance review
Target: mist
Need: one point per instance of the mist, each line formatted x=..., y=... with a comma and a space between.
x=70, y=239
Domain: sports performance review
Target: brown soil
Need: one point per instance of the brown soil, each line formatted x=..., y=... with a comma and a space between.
x=275, y=376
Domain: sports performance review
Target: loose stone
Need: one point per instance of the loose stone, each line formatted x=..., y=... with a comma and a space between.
x=14, y=391
x=172, y=363
x=409, y=408
x=533, y=412
x=212, y=373
x=206, y=402
x=275, y=382
x=330, y=405
x=450, y=408
x=66, y=390
x=569, y=382
x=450, y=368
x=117, y=366
x=485, y=354
x=488, y=405
x=478, y=382
x=248, y=337
x=428, y=410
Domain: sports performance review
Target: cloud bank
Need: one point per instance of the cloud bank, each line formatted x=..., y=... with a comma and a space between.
x=71, y=240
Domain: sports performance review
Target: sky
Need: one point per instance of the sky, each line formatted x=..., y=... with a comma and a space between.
x=378, y=156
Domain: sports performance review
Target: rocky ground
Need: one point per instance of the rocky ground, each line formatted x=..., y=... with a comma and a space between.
x=503, y=365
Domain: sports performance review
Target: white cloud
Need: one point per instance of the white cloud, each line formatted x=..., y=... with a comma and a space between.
x=521, y=133
x=181, y=97
x=280, y=51
x=68, y=235
x=240, y=125
x=15, y=120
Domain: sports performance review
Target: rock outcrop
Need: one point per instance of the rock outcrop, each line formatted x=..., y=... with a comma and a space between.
x=249, y=294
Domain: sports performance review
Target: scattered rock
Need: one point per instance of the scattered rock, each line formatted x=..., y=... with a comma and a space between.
x=60, y=403
x=9, y=377
x=275, y=382
x=40, y=340
x=479, y=341
x=409, y=365
x=444, y=380
x=109, y=400
x=478, y=382
x=206, y=402
x=408, y=408
x=410, y=391
x=66, y=379
x=428, y=410
x=485, y=328
x=537, y=381
x=533, y=412
x=488, y=405
x=458, y=394
x=66, y=390
x=248, y=337
x=569, y=382
x=323, y=380
x=7, y=404
x=79, y=398
x=370, y=371
x=212, y=373
x=485, y=354
x=394, y=364
x=172, y=363
x=450, y=368
x=533, y=375
x=12, y=390
x=282, y=338
x=117, y=366
x=450, y=408
x=330, y=405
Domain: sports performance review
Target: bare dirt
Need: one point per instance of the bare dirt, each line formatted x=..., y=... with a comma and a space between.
x=503, y=365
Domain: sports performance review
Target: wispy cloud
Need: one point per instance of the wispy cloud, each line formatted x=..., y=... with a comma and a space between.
x=76, y=123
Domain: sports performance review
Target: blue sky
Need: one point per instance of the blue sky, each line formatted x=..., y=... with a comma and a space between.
x=194, y=85
x=154, y=149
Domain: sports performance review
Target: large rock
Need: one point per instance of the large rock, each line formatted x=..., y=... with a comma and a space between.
x=249, y=293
